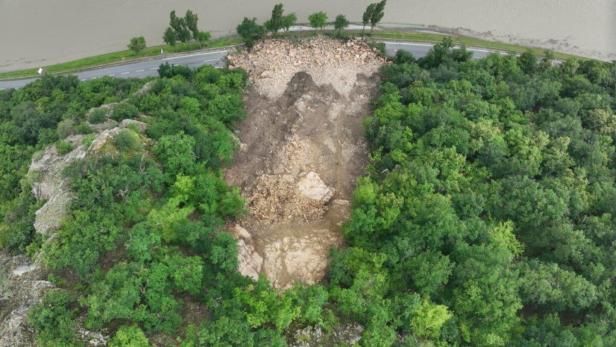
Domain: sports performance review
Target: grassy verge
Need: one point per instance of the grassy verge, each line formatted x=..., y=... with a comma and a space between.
x=126, y=56
x=120, y=56
x=468, y=41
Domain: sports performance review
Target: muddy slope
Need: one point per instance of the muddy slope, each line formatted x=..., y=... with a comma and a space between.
x=302, y=149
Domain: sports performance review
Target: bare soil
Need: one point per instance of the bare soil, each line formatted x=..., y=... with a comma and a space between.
x=301, y=152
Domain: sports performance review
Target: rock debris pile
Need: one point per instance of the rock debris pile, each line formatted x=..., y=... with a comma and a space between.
x=271, y=64
x=301, y=150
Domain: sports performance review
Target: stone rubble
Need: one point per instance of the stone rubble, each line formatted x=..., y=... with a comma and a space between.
x=301, y=149
x=272, y=63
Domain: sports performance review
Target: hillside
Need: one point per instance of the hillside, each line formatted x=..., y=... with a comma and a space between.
x=318, y=196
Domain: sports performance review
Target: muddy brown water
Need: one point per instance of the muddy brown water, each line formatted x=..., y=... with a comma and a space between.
x=37, y=33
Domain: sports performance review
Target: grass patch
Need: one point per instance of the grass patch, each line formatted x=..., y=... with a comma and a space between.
x=120, y=56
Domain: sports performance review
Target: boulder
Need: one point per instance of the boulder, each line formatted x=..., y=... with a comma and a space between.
x=312, y=187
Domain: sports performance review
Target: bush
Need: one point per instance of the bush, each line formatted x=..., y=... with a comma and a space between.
x=167, y=71
x=88, y=139
x=83, y=129
x=137, y=44
x=63, y=147
x=129, y=336
x=318, y=20
x=124, y=111
x=65, y=128
x=53, y=320
x=97, y=116
x=127, y=140
x=250, y=31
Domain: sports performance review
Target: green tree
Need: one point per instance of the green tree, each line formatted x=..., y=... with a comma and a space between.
x=429, y=319
x=129, y=336
x=276, y=21
x=377, y=14
x=170, y=37
x=250, y=31
x=53, y=320
x=318, y=19
x=137, y=44
x=288, y=21
x=340, y=23
x=180, y=27
x=177, y=153
x=367, y=16
x=191, y=20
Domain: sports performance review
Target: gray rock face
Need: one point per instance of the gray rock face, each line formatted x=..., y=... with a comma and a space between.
x=313, y=336
x=49, y=184
x=22, y=286
x=250, y=262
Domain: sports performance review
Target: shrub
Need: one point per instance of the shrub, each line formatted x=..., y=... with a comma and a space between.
x=53, y=320
x=129, y=336
x=250, y=31
x=83, y=129
x=124, y=111
x=65, y=128
x=167, y=71
x=63, y=147
x=137, y=44
x=127, y=140
x=318, y=20
x=97, y=116
x=88, y=139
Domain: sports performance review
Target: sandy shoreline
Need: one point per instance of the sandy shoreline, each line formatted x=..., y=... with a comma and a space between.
x=35, y=33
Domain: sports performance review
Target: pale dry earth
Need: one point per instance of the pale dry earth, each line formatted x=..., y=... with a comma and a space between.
x=302, y=148
x=37, y=33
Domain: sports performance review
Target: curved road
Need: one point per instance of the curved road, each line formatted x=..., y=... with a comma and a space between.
x=216, y=58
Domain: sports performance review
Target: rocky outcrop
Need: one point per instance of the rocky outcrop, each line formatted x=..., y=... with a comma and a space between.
x=314, y=336
x=250, y=262
x=22, y=286
x=48, y=182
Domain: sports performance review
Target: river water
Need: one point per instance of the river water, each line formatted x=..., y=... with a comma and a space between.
x=42, y=32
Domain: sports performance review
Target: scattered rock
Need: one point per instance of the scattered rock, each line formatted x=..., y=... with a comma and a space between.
x=93, y=338
x=312, y=187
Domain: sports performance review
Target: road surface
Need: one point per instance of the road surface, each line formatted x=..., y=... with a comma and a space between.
x=216, y=58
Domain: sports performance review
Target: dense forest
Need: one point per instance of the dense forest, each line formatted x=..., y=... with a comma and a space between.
x=485, y=218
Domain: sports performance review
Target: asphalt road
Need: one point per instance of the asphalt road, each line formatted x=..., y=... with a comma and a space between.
x=150, y=67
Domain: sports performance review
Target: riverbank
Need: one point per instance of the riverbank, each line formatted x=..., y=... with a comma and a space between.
x=56, y=31
x=126, y=56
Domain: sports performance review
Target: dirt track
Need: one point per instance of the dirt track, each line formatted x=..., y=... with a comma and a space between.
x=301, y=152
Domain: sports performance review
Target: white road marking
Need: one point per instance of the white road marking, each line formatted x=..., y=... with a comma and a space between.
x=140, y=70
x=408, y=44
x=124, y=73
